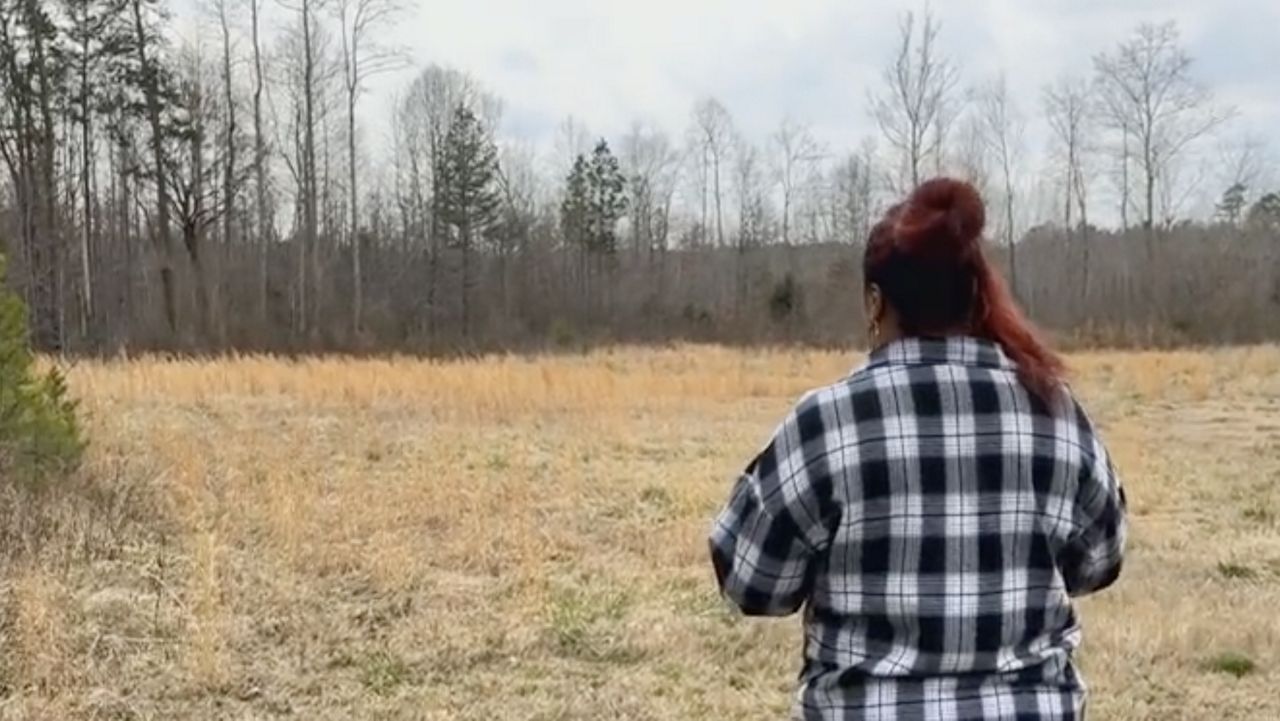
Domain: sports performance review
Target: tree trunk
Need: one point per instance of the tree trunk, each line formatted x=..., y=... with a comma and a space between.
x=466, y=279
x=53, y=330
x=502, y=284
x=325, y=241
x=1124, y=178
x=1148, y=223
x=31, y=156
x=1066, y=206
x=229, y=169
x=161, y=236
x=86, y=173
x=1078, y=179
x=786, y=216
x=1011, y=237
x=915, y=156
x=126, y=236
x=719, y=214
x=704, y=231
x=1149, y=173
x=259, y=170
x=192, y=232
x=357, y=273
x=433, y=279
x=191, y=239
x=309, y=220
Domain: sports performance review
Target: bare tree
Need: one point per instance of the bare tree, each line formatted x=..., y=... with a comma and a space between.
x=122, y=131
x=362, y=58
x=749, y=184
x=1149, y=96
x=1003, y=128
x=305, y=116
x=713, y=130
x=264, y=212
x=517, y=182
x=230, y=146
x=696, y=191
x=202, y=177
x=1243, y=161
x=1067, y=110
x=853, y=195
x=230, y=128
x=917, y=105
x=652, y=166
x=310, y=71
x=91, y=28
x=144, y=42
x=572, y=139
x=795, y=160
x=969, y=154
x=98, y=42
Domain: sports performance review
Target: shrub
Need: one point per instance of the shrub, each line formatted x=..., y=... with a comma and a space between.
x=1232, y=664
x=39, y=436
x=785, y=300
x=1230, y=569
x=562, y=334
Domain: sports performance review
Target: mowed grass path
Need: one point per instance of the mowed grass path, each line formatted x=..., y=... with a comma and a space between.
x=525, y=539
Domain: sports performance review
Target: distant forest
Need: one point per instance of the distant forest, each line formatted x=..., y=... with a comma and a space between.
x=162, y=195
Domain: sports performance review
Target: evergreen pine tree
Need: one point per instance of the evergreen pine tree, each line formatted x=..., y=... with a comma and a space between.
x=575, y=208
x=39, y=435
x=471, y=201
x=575, y=221
x=608, y=199
x=1232, y=204
x=1265, y=214
x=595, y=199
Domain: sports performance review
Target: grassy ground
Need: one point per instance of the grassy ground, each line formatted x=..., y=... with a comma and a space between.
x=524, y=539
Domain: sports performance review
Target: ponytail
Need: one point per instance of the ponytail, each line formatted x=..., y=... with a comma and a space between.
x=926, y=256
x=998, y=318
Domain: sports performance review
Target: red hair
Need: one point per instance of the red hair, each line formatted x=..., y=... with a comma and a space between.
x=926, y=257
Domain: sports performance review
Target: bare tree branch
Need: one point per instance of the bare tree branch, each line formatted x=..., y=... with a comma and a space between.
x=915, y=109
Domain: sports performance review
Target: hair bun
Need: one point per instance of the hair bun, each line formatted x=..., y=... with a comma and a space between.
x=943, y=217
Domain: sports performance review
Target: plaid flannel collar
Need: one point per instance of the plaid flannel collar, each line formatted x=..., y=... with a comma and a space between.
x=951, y=350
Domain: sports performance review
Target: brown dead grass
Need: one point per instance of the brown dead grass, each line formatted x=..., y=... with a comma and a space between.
x=520, y=538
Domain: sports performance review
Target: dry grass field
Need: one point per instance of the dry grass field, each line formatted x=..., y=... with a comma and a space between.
x=525, y=539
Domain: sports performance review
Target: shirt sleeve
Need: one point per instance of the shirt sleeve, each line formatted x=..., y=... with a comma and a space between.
x=1093, y=558
x=765, y=542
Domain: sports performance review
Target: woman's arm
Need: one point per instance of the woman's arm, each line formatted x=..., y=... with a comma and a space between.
x=1092, y=559
x=764, y=542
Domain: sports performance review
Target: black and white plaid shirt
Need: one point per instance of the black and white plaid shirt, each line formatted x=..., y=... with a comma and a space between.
x=934, y=519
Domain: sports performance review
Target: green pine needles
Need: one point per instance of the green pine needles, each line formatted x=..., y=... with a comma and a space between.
x=40, y=438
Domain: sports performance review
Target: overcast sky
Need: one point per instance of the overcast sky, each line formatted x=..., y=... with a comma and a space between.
x=611, y=64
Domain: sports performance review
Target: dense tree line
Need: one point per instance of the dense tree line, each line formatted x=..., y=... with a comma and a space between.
x=217, y=194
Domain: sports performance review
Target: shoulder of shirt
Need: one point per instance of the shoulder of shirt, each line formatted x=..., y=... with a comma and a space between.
x=861, y=380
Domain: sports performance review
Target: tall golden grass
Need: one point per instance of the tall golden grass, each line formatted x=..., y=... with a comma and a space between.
x=524, y=538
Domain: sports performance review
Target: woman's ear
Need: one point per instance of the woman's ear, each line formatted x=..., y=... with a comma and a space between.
x=875, y=303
